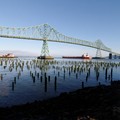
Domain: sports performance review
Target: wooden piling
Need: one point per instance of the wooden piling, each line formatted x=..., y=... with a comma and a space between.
x=49, y=78
x=76, y=75
x=64, y=76
x=12, y=86
x=45, y=74
x=111, y=73
x=99, y=83
x=82, y=85
x=97, y=76
x=33, y=79
x=109, y=77
x=55, y=83
x=106, y=74
x=58, y=74
x=46, y=84
x=37, y=75
x=15, y=80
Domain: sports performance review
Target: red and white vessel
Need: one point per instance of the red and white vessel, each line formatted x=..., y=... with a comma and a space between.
x=9, y=55
x=84, y=56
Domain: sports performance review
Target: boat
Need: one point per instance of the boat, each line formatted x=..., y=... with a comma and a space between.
x=98, y=57
x=45, y=57
x=84, y=56
x=9, y=55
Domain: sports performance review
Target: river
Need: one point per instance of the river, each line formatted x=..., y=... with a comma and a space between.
x=26, y=79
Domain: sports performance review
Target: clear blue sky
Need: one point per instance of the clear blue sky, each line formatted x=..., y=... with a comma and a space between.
x=84, y=19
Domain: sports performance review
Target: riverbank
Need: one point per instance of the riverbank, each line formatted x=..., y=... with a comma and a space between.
x=92, y=103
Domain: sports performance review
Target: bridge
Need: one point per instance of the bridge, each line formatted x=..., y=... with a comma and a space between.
x=47, y=33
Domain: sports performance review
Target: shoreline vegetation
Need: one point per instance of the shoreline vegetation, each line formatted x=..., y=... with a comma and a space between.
x=92, y=103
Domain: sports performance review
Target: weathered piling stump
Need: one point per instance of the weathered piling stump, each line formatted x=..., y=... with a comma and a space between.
x=111, y=73
x=45, y=78
x=106, y=74
x=32, y=75
x=37, y=75
x=33, y=79
x=76, y=75
x=46, y=84
x=109, y=77
x=97, y=76
x=89, y=71
x=15, y=80
x=49, y=78
x=1, y=77
x=55, y=83
x=12, y=86
x=64, y=76
x=45, y=74
x=82, y=85
x=58, y=74
x=99, y=83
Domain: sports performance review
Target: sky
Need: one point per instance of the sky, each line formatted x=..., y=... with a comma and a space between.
x=84, y=19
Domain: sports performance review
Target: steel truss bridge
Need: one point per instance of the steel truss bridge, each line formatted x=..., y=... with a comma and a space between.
x=47, y=33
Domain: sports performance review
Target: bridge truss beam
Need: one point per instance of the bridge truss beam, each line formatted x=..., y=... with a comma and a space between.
x=47, y=33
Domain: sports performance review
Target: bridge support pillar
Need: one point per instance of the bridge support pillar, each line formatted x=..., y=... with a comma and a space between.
x=99, y=46
x=45, y=51
x=98, y=53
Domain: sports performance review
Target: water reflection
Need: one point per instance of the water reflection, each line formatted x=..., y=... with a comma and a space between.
x=32, y=79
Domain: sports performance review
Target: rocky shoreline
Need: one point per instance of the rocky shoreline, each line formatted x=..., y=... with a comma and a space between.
x=92, y=103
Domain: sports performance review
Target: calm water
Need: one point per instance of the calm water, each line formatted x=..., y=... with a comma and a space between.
x=27, y=79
